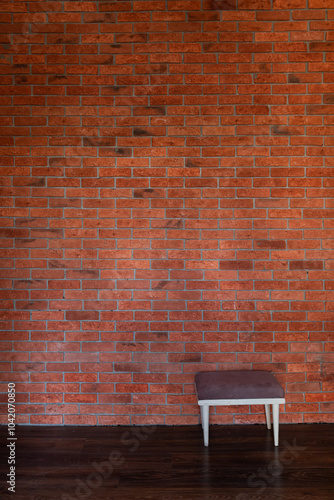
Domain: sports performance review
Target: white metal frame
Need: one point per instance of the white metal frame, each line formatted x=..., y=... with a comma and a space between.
x=275, y=402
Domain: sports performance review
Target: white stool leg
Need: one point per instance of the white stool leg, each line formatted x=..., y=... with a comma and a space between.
x=205, y=423
x=276, y=422
x=201, y=407
x=268, y=418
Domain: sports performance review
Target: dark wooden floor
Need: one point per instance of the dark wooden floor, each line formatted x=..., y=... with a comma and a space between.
x=171, y=463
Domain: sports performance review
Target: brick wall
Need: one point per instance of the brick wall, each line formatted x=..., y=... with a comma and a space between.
x=167, y=205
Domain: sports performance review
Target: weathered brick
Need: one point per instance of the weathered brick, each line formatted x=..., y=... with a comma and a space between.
x=157, y=222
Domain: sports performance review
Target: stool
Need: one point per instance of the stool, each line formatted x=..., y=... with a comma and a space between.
x=240, y=387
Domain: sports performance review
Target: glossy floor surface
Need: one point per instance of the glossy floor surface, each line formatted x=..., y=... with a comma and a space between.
x=170, y=463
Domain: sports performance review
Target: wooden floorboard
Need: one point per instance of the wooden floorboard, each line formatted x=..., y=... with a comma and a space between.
x=171, y=463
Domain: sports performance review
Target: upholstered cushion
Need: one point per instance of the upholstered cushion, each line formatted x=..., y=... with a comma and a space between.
x=239, y=384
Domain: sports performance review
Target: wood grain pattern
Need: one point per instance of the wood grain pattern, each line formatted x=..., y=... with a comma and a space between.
x=171, y=463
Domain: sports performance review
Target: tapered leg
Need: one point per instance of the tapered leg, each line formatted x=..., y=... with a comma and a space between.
x=205, y=424
x=276, y=422
x=268, y=418
x=201, y=407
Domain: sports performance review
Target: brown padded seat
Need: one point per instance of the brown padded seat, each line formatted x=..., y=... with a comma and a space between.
x=238, y=384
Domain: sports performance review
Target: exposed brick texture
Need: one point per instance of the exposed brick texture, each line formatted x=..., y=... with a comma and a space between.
x=167, y=205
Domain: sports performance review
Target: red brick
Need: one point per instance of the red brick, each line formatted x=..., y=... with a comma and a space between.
x=132, y=247
x=322, y=4
x=256, y=5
